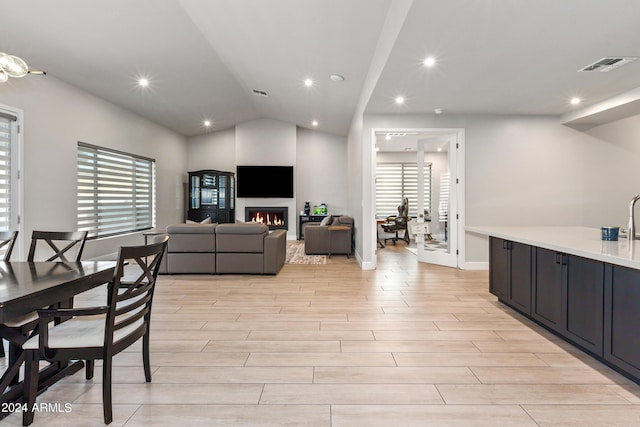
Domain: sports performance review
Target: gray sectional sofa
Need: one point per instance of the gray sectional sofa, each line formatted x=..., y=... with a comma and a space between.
x=224, y=248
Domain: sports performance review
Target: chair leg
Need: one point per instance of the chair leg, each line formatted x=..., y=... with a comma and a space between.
x=107, y=409
x=14, y=354
x=2, y=348
x=30, y=389
x=145, y=357
x=89, y=369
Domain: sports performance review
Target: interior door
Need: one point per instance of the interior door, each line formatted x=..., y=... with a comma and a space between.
x=440, y=244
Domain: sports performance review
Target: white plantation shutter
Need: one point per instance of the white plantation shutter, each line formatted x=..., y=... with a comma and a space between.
x=443, y=208
x=397, y=180
x=116, y=191
x=5, y=170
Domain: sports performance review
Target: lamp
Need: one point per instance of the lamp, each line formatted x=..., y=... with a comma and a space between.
x=13, y=66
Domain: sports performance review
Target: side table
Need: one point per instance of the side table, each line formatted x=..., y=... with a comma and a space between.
x=338, y=229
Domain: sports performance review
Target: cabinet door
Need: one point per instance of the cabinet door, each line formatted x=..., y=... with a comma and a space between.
x=547, y=288
x=622, y=319
x=584, y=302
x=498, y=268
x=520, y=277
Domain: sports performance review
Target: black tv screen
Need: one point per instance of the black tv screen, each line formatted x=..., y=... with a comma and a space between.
x=265, y=181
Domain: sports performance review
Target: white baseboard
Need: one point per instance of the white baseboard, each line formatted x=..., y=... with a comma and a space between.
x=474, y=265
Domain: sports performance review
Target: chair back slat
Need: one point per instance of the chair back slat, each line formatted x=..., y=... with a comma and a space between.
x=53, y=240
x=131, y=290
x=8, y=240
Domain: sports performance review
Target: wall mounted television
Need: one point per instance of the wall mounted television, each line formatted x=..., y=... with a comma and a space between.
x=265, y=181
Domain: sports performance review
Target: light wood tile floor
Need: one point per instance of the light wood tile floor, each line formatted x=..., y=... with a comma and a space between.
x=331, y=345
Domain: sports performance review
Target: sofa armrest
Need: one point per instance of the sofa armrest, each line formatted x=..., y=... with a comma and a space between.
x=316, y=239
x=275, y=251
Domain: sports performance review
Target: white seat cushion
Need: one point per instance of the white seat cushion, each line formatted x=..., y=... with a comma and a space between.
x=85, y=331
x=22, y=320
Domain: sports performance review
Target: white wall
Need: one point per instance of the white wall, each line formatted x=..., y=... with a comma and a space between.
x=359, y=189
x=267, y=142
x=321, y=174
x=56, y=117
x=534, y=171
x=216, y=150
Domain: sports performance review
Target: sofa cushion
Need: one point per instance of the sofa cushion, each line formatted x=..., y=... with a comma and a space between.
x=192, y=229
x=343, y=220
x=327, y=220
x=241, y=238
x=191, y=238
x=245, y=228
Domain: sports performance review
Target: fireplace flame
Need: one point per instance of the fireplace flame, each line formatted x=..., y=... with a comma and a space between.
x=267, y=219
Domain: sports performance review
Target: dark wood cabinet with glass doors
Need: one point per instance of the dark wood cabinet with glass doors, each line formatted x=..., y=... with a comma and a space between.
x=212, y=195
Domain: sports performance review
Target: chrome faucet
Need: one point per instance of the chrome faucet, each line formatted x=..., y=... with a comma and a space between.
x=631, y=233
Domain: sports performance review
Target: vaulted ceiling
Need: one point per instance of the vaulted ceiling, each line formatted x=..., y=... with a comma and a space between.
x=204, y=58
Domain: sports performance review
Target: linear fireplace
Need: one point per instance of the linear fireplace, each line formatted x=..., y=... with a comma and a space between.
x=274, y=217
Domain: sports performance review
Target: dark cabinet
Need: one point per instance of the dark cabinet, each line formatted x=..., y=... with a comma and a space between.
x=510, y=273
x=568, y=297
x=584, y=284
x=212, y=195
x=622, y=319
x=547, y=288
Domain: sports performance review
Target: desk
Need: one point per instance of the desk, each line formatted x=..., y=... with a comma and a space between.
x=28, y=286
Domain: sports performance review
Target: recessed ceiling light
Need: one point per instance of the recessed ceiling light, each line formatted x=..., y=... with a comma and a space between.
x=429, y=62
x=438, y=111
x=388, y=137
x=439, y=149
x=314, y=123
x=336, y=78
x=575, y=101
x=143, y=82
x=207, y=123
x=308, y=82
x=400, y=100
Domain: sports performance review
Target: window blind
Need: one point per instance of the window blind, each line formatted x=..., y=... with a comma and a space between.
x=443, y=208
x=397, y=180
x=5, y=171
x=116, y=191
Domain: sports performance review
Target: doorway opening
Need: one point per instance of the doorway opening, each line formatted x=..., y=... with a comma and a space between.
x=423, y=167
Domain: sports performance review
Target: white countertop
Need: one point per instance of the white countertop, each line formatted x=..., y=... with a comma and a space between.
x=581, y=241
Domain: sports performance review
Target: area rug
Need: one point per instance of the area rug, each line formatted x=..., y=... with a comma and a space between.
x=296, y=255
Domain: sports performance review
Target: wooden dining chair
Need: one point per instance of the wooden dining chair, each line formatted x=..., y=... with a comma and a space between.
x=99, y=332
x=52, y=241
x=7, y=241
x=45, y=246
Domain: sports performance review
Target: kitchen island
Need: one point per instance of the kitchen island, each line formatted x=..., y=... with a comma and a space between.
x=571, y=282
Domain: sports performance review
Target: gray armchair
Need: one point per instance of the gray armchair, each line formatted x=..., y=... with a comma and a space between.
x=336, y=237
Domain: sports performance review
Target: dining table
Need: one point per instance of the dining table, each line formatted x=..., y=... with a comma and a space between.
x=29, y=286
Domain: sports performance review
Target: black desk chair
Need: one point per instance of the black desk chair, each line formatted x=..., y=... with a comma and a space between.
x=99, y=332
x=397, y=224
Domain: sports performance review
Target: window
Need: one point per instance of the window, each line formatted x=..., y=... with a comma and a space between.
x=8, y=170
x=116, y=191
x=397, y=180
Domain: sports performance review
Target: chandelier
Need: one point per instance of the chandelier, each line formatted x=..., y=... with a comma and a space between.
x=13, y=66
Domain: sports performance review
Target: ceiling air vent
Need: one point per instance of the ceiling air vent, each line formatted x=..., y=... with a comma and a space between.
x=609, y=63
x=260, y=93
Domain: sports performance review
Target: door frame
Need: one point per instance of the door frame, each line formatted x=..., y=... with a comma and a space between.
x=456, y=186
